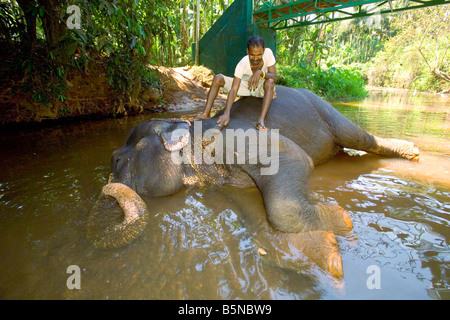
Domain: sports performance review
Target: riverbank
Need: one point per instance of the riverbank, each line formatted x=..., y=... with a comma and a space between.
x=90, y=97
x=392, y=89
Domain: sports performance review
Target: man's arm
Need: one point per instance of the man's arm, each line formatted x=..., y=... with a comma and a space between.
x=270, y=74
x=225, y=118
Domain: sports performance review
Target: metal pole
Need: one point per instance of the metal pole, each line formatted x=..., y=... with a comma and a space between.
x=197, y=34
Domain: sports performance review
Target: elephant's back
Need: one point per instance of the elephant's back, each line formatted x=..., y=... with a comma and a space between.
x=295, y=112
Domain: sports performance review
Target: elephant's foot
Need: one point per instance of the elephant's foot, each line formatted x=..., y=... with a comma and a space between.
x=333, y=217
x=397, y=147
x=322, y=248
x=405, y=149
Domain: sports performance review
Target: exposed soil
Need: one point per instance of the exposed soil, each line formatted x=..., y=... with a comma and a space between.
x=186, y=88
x=90, y=96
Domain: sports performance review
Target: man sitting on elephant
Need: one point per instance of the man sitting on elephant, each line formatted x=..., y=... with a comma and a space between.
x=255, y=75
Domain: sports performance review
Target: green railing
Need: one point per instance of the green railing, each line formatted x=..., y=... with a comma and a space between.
x=282, y=14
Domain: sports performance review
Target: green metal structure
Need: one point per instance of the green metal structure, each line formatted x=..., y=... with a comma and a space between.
x=225, y=43
x=281, y=14
x=221, y=48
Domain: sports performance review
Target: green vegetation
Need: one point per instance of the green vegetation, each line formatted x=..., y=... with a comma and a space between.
x=52, y=68
x=110, y=51
x=418, y=56
x=332, y=83
x=403, y=50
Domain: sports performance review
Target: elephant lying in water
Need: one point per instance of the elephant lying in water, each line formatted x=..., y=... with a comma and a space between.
x=161, y=156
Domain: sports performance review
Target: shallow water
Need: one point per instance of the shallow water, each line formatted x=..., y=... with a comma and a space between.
x=200, y=244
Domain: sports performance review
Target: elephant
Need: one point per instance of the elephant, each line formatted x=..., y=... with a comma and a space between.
x=160, y=157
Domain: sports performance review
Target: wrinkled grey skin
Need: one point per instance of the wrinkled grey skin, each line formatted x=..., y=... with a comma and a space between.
x=311, y=131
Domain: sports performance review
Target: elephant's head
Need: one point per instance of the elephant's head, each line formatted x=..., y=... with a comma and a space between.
x=142, y=166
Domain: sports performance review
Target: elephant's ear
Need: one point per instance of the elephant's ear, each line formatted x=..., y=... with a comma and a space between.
x=175, y=140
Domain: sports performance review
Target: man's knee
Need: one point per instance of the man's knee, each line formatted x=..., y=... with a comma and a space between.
x=218, y=80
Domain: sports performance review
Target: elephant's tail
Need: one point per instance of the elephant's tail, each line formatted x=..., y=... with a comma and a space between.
x=106, y=229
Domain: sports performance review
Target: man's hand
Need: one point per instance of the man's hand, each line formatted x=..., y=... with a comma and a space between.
x=223, y=120
x=254, y=80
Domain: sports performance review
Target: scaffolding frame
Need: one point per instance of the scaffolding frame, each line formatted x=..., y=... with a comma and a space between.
x=283, y=14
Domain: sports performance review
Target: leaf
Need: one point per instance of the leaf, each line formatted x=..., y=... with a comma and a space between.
x=81, y=34
x=72, y=48
x=60, y=72
x=120, y=12
x=110, y=8
x=142, y=32
x=141, y=50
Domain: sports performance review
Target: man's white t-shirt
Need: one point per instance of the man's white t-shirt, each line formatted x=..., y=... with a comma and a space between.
x=244, y=68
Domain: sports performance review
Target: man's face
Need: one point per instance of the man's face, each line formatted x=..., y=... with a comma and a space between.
x=255, y=55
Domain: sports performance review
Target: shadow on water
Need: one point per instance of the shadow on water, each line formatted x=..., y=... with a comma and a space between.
x=202, y=244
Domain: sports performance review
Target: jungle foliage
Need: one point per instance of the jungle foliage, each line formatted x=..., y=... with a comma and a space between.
x=402, y=50
x=330, y=83
x=103, y=66
x=418, y=56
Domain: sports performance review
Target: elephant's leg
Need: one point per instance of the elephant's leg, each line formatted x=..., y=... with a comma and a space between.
x=348, y=135
x=362, y=140
x=394, y=148
x=283, y=248
x=321, y=247
x=286, y=195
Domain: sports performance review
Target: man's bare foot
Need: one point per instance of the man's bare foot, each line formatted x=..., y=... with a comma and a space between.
x=260, y=126
x=201, y=116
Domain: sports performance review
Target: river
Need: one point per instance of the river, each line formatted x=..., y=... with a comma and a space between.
x=198, y=244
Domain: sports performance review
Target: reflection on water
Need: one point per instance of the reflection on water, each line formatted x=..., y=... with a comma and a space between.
x=200, y=244
x=421, y=118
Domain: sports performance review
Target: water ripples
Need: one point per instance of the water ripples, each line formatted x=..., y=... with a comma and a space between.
x=402, y=227
x=199, y=244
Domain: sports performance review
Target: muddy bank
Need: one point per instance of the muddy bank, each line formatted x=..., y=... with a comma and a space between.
x=89, y=96
x=186, y=88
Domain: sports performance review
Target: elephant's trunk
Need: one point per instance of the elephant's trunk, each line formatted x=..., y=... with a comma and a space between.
x=116, y=230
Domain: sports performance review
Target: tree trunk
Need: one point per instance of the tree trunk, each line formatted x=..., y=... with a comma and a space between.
x=52, y=21
x=30, y=18
x=441, y=74
x=184, y=34
x=316, y=47
x=197, y=34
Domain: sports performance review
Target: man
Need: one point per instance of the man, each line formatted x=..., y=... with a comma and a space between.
x=255, y=75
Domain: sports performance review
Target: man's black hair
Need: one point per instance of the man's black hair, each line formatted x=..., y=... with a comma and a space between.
x=255, y=41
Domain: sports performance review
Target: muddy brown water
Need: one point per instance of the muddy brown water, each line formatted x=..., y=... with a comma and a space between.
x=199, y=245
